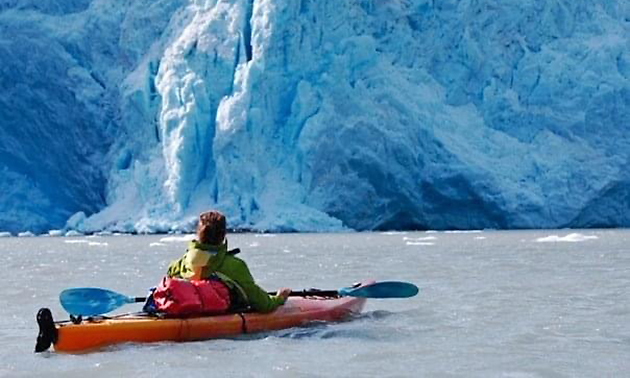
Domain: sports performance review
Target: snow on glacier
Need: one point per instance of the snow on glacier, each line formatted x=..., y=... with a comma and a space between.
x=313, y=115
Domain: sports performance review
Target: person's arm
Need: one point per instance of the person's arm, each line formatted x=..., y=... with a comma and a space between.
x=257, y=298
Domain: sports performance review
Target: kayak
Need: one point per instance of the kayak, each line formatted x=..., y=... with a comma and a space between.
x=98, y=332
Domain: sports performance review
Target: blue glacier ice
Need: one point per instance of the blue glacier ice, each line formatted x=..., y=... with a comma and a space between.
x=305, y=115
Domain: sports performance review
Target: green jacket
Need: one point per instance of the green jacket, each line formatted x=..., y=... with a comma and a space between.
x=216, y=260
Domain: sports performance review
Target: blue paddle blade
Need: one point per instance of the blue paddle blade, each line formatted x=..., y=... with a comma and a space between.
x=387, y=289
x=90, y=301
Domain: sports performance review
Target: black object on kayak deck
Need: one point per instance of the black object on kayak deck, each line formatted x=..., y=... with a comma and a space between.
x=47, y=331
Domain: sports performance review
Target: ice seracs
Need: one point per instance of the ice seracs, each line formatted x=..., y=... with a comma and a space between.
x=314, y=116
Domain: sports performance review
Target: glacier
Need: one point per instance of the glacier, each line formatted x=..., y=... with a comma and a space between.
x=308, y=115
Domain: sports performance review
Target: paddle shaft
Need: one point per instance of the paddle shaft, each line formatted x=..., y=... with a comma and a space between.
x=313, y=293
x=96, y=301
x=322, y=293
x=301, y=293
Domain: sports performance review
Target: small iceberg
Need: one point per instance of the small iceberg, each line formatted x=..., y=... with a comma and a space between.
x=180, y=238
x=75, y=241
x=463, y=231
x=419, y=243
x=570, y=238
x=419, y=239
x=98, y=244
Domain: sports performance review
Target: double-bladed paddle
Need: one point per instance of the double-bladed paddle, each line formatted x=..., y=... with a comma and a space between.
x=91, y=301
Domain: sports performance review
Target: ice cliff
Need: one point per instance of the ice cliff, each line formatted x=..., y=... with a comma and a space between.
x=314, y=115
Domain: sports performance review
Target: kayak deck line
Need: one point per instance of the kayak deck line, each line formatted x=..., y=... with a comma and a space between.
x=97, y=332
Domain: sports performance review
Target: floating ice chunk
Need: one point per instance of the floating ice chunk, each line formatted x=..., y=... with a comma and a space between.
x=26, y=234
x=157, y=245
x=98, y=244
x=463, y=231
x=73, y=233
x=5, y=234
x=572, y=238
x=75, y=241
x=180, y=238
x=55, y=233
x=420, y=239
x=419, y=243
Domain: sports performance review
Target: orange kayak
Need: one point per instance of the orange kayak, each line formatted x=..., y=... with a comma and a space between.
x=99, y=332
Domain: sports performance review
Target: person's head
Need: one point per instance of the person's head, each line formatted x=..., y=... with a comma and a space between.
x=211, y=228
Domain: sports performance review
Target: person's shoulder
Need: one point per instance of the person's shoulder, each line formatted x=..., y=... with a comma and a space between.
x=236, y=260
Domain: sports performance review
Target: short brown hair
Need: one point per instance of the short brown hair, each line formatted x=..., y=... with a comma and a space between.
x=211, y=228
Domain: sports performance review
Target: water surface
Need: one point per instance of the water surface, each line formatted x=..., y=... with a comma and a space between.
x=492, y=304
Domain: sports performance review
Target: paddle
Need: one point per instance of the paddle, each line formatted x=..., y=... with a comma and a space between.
x=91, y=301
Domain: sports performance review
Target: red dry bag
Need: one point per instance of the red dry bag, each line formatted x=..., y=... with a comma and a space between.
x=179, y=297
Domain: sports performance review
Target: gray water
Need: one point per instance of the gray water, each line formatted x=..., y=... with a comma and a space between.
x=492, y=304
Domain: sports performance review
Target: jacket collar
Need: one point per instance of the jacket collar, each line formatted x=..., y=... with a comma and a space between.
x=208, y=247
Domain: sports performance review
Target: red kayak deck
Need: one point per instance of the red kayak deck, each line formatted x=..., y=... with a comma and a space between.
x=97, y=333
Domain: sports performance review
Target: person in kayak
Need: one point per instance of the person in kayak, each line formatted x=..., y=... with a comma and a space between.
x=208, y=257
